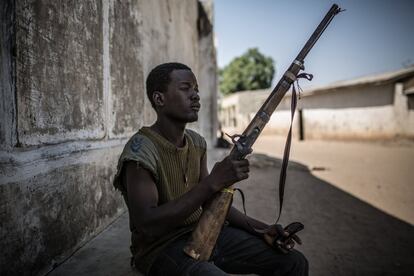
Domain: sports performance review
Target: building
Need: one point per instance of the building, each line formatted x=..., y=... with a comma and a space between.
x=374, y=107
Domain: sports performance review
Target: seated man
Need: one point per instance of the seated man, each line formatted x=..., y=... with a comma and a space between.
x=164, y=179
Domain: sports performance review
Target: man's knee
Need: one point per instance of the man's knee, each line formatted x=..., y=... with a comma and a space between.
x=298, y=263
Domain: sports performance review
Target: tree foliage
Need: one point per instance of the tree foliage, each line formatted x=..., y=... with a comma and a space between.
x=250, y=71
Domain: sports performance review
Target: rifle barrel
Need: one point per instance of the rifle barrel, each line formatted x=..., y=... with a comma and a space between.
x=334, y=10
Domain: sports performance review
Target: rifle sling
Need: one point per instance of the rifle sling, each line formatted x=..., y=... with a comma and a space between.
x=286, y=153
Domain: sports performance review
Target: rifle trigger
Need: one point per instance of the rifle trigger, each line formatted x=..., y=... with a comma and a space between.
x=234, y=137
x=240, y=143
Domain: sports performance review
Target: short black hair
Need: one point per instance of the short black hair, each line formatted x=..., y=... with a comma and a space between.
x=159, y=78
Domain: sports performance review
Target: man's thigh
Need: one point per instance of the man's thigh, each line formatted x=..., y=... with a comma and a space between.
x=240, y=252
x=173, y=261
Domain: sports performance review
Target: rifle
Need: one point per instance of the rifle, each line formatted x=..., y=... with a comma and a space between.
x=205, y=235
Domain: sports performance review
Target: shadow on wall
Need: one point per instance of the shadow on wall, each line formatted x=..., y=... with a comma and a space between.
x=342, y=235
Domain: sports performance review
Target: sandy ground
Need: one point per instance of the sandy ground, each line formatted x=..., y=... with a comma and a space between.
x=379, y=173
x=355, y=199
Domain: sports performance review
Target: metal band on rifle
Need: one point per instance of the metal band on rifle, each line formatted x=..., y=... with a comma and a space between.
x=264, y=116
x=299, y=63
x=290, y=76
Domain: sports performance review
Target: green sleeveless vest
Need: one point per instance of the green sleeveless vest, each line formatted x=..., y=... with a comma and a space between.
x=175, y=171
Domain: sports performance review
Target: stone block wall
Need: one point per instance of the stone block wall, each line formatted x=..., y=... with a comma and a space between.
x=72, y=81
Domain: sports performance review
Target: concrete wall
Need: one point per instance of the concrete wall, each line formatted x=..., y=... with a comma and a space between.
x=72, y=92
x=369, y=111
x=350, y=113
x=207, y=73
x=7, y=74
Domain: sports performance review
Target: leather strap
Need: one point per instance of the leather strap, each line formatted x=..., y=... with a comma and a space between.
x=286, y=153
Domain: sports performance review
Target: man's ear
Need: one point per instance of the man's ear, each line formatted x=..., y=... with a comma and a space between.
x=158, y=98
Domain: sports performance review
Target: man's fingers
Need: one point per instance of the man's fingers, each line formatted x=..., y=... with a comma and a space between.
x=284, y=240
x=289, y=245
x=244, y=169
x=296, y=239
x=242, y=163
x=242, y=175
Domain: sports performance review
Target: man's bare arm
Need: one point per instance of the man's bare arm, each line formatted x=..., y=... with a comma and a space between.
x=238, y=219
x=152, y=219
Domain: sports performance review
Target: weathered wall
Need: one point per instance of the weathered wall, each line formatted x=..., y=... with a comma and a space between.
x=59, y=48
x=353, y=123
x=350, y=113
x=207, y=68
x=370, y=112
x=72, y=92
x=7, y=74
x=123, y=74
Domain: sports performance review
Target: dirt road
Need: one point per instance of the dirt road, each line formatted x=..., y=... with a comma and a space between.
x=381, y=174
x=356, y=203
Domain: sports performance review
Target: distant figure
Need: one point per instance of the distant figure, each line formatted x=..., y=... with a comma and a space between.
x=163, y=176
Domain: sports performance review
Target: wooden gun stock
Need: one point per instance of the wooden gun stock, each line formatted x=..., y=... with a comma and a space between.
x=205, y=235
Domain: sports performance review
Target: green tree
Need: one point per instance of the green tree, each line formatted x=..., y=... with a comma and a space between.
x=250, y=71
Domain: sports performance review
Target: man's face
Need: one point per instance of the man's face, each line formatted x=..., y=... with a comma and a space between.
x=181, y=100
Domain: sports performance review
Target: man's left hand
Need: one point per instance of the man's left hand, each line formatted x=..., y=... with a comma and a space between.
x=281, y=238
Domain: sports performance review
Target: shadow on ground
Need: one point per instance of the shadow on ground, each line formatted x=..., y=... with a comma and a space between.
x=343, y=235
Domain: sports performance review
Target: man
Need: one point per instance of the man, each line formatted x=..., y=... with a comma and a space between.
x=163, y=176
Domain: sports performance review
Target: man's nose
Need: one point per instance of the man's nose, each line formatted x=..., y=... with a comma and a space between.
x=195, y=96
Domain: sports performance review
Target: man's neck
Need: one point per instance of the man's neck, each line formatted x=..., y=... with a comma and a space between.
x=171, y=131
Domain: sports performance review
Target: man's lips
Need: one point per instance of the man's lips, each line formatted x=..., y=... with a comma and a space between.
x=195, y=107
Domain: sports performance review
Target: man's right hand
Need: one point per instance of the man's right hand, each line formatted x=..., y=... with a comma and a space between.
x=227, y=172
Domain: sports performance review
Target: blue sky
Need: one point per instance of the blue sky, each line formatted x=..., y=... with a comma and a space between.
x=369, y=37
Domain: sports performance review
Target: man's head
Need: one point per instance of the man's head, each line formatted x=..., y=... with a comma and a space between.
x=173, y=92
x=159, y=78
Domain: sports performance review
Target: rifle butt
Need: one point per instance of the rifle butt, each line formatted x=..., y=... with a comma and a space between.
x=204, y=237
